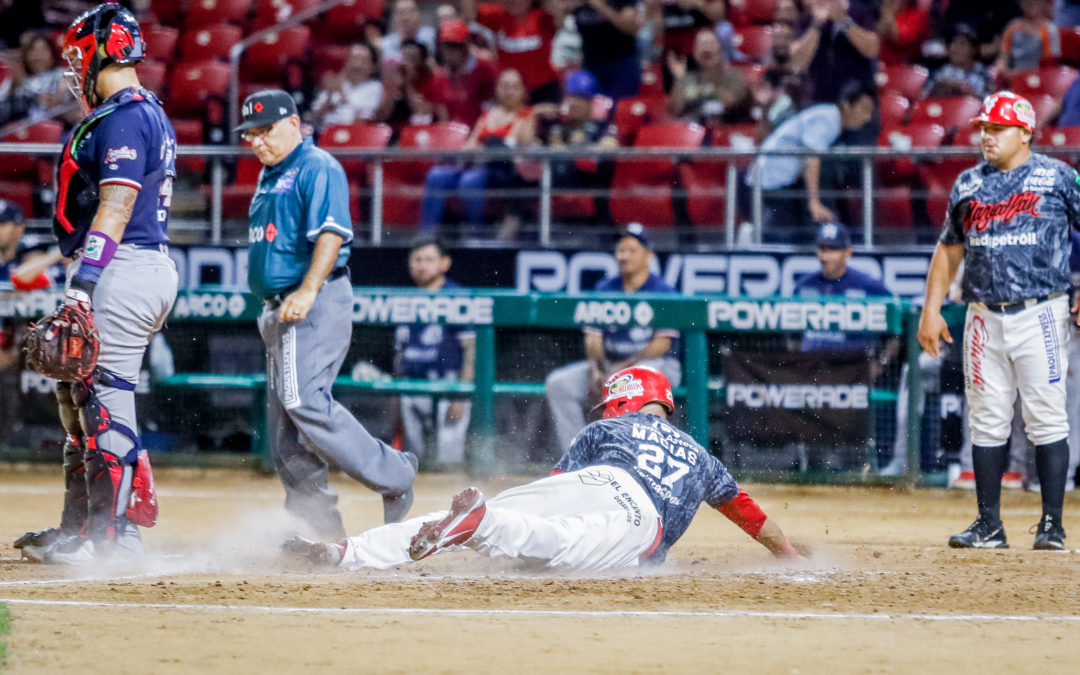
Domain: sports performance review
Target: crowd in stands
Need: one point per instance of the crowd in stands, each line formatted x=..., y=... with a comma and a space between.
x=578, y=73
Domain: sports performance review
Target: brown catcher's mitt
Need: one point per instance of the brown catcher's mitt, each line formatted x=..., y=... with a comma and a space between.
x=63, y=346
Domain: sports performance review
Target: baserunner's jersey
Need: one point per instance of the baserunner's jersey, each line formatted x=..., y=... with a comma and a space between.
x=673, y=468
x=1014, y=226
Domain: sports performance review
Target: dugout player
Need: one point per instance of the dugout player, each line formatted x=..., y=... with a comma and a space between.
x=623, y=493
x=613, y=348
x=1009, y=220
x=114, y=179
x=299, y=234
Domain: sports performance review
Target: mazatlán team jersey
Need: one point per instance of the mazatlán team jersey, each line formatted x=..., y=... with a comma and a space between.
x=430, y=350
x=1014, y=226
x=851, y=284
x=127, y=140
x=673, y=468
x=621, y=342
x=295, y=201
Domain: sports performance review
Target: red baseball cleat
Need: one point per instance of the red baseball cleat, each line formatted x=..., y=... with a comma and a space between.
x=466, y=512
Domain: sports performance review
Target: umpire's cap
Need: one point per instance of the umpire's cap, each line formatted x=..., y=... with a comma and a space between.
x=266, y=107
x=10, y=212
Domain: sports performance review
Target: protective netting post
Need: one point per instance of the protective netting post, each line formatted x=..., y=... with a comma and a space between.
x=482, y=457
x=696, y=377
x=915, y=394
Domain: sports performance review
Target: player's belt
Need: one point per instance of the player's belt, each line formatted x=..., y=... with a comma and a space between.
x=1020, y=305
x=275, y=300
x=160, y=248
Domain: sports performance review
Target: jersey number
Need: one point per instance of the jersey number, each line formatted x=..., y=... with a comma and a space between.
x=653, y=460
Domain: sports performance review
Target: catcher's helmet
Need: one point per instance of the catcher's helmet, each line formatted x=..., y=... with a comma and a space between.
x=630, y=389
x=103, y=36
x=1008, y=109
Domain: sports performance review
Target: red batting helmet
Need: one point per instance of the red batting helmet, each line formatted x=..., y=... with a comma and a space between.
x=630, y=389
x=1007, y=108
x=103, y=36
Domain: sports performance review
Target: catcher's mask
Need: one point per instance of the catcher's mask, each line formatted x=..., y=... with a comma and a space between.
x=103, y=36
x=631, y=389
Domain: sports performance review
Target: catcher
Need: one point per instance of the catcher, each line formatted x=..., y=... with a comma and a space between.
x=115, y=186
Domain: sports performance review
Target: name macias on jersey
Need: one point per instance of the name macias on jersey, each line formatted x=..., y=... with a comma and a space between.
x=661, y=449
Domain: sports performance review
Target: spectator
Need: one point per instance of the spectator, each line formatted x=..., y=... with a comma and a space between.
x=447, y=12
x=774, y=97
x=962, y=75
x=791, y=188
x=609, y=47
x=406, y=23
x=612, y=348
x=987, y=19
x=522, y=34
x=1069, y=110
x=566, y=45
x=838, y=44
x=17, y=17
x=783, y=34
x=1067, y=13
x=38, y=84
x=436, y=352
x=684, y=19
x=407, y=88
x=903, y=27
x=509, y=124
x=464, y=83
x=712, y=80
x=354, y=94
x=1028, y=39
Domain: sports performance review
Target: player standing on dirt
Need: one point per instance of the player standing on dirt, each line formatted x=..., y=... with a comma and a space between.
x=624, y=492
x=1008, y=220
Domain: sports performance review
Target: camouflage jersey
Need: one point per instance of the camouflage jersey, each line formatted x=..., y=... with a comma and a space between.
x=673, y=468
x=1014, y=226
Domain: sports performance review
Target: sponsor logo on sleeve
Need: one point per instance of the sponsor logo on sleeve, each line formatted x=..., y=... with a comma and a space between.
x=123, y=152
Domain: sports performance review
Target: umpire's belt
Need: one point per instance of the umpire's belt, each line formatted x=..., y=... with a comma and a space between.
x=1020, y=305
x=275, y=300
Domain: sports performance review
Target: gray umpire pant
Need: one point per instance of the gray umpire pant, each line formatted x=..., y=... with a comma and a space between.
x=567, y=391
x=308, y=430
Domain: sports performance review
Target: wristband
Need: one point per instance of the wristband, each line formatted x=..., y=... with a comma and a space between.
x=98, y=250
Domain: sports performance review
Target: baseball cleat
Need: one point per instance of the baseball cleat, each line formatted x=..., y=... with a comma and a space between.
x=460, y=524
x=980, y=535
x=34, y=544
x=1049, y=535
x=315, y=552
x=71, y=551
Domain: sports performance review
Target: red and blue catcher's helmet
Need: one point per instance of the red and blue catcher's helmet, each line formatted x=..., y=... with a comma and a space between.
x=630, y=389
x=1007, y=108
x=103, y=36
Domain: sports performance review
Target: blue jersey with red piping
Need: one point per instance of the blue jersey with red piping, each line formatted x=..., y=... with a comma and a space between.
x=673, y=468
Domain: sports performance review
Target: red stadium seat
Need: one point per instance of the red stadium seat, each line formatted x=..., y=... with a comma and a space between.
x=194, y=85
x=205, y=13
x=236, y=198
x=706, y=181
x=367, y=136
x=1054, y=81
x=403, y=181
x=754, y=41
x=151, y=75
x=22, y=194
x=652, y=82
x=1069, y=37
x=901, y=170
x=1060, y=136
x=743, y=12
x=904, y=80
x=270, y=12
x=641, y=188
x=894, y=110
x=328, y=59
x=1045, y=106
x=170, y=12
x=31, y=167
x=268, y=58
x=951, y=111
x=189, y=132
x=634, y=112
x=209, y=43
x=161, y=42
x=344, y=23
x=938, y=179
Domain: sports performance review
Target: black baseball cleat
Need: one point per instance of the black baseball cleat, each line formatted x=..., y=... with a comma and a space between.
x=1049, y=534
x=460, y=524
x=980, y=535
x=33, y=545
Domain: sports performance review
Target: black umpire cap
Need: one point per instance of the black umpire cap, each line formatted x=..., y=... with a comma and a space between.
x=265, y=107
x=10, y=212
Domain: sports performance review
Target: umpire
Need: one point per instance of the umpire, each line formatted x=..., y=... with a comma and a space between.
x=299, y=222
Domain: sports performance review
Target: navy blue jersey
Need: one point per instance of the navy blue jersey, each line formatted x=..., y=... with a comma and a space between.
x=673, y=468
x=622, y=342
x=430, y=350
x=851, y=284
x=1014, y=227
x=296, y=200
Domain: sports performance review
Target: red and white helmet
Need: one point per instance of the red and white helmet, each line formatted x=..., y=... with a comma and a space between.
x=1007, y=108
x=100, y=37
x=630, y=389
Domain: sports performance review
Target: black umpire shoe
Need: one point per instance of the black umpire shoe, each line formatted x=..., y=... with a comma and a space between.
x=1049, y=535
x=980, y=535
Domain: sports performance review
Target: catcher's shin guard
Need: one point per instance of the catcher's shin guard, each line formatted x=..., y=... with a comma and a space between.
x=73, y=517
x=104, y=470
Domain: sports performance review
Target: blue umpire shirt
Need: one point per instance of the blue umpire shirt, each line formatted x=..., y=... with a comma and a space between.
x=851, y=284
x=295, y=201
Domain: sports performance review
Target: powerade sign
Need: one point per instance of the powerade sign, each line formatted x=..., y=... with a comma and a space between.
x=795, y=315
x=22, y=305
x=799, y=396
x=386, y=308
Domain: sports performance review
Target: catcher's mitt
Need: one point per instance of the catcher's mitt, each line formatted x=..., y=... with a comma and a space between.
x=63, y=346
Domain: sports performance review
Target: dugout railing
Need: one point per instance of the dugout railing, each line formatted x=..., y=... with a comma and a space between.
x=710, y=328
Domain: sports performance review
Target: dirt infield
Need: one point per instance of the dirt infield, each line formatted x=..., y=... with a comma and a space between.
x=880, y=593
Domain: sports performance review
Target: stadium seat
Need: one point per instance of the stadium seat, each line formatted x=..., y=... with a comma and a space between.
x=706, y=181
x=1060, y=136
x=744, y=12
x=1069, y=37
x=31, y=167
x=938, y=179
x=168, y=12
x=193, y=85
x=190, y=132
x=894, y=110
x=634, y=112
x=20, y=192
x=1054, y=81
x=949, y=112
x=161, y=42
x=901, y=170
x=210, y=43
x=236, y=198
x=754, y=41
x=268, y=58
x=328, y=59
x=904, y=80
x=403, y=181
x=205, y=13
x=344, y=23
x=152, y=76
x=270, y=12
x=652, y=81
x=366, y=136
x=641, y=189
x=1045, y=106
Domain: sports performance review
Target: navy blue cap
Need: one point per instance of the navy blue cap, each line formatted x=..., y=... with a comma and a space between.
x=265, y=107
x=582, y=84
x=833, y=235
x=10, y=212
x=637, y=231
